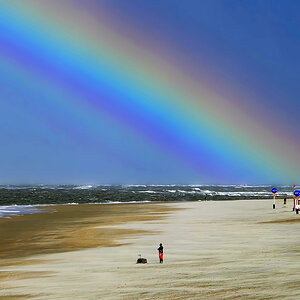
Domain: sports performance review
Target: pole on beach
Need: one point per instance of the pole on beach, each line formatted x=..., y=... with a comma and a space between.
x=294, y=197
x=296, y=201
x=274, y=190
x=294, y=204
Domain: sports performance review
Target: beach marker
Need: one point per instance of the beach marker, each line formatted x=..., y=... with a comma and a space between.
x=296, y=201
x=294, y=197
x=274, y=190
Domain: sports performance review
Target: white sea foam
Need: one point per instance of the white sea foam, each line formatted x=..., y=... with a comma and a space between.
x=207, y=192
x=15, y=210
x=135, y=185
x=83, y=187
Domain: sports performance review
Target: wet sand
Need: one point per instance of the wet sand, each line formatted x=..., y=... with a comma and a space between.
x=71, y=227
x=213, y=250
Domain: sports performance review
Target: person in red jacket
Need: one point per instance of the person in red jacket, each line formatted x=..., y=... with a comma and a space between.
x=161, y=253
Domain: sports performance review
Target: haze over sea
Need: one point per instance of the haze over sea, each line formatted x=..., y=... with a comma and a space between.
x=21, y=199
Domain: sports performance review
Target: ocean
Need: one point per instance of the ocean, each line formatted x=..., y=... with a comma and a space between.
x=23, y=199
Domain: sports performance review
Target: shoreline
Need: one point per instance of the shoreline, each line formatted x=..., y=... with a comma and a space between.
x=45, y=208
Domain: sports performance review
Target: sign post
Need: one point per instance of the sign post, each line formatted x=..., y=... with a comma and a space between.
x=296, y=201
x=294, y=197
x=274, y=190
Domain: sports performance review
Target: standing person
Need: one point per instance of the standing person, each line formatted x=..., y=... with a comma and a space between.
x=161, y=253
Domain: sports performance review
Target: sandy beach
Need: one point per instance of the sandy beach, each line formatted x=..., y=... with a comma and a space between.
x=213, y=250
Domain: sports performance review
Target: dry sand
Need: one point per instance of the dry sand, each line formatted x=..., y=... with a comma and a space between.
x=213, y=250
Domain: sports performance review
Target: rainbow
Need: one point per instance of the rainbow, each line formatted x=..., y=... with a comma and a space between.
x=93, y=76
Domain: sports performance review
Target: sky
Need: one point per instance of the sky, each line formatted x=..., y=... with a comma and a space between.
x=149, y=92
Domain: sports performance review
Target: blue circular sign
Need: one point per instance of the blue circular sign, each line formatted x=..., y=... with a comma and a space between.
x=297, y=193
x=274, y=190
